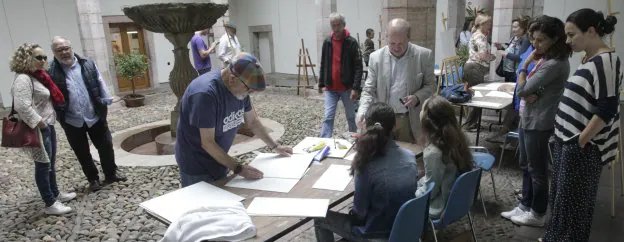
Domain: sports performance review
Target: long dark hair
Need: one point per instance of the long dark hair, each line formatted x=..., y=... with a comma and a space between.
x=441, y=129
x=554, y=29
x=380, y=122
x=586, y=18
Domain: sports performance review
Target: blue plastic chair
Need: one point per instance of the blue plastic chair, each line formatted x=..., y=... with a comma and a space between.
x=484, y=160
x=510, y=136
x=411, y=220
x=459, y=202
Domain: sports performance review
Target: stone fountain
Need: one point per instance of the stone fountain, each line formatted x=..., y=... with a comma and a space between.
x=178, y=21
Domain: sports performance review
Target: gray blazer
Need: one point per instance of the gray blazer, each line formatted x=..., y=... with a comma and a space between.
x=547, y=83
x=377, y=85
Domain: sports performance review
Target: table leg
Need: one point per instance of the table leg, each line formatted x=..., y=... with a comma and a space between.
x=461, y=114
x=479, y=128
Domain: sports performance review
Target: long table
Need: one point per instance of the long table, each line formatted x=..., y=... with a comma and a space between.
x=486, y=102
x=273, y=228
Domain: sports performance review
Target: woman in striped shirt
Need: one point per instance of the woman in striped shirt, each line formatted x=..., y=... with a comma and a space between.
x=586, y=127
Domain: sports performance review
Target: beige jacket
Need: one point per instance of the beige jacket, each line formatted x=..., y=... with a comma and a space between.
x=377, y=85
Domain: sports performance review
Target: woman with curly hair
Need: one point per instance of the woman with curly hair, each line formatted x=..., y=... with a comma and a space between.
x=34, y=97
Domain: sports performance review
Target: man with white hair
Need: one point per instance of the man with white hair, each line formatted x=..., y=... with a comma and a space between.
x=400, y=74
x=340, y=75
x=84, y=112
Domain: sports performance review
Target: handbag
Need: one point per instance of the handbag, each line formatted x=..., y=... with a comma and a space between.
x=456, y=94
x=16, y=133
x=500, y=68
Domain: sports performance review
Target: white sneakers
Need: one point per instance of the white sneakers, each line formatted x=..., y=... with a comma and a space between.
x=513, y=213
x=526, y=218
x=57, y=209
x=66, y=197
x=529, y=219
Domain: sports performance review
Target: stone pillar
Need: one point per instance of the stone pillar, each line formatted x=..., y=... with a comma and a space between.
x=420, y=14
x=93, y=40
x=323, y=9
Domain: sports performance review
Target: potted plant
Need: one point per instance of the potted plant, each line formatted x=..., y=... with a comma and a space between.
x=132, y=66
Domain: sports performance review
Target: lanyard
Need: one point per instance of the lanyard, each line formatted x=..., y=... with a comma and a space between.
x=537, y=66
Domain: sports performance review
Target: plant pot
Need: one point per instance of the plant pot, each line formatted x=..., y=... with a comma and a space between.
x=134, y=100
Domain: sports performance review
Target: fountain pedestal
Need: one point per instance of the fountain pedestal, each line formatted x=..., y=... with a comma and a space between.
x=178, y=21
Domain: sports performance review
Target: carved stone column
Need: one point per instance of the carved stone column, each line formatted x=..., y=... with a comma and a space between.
x=178, y=21
x=182, y=73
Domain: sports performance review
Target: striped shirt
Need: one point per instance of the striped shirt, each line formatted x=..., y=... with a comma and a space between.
x=592, y=90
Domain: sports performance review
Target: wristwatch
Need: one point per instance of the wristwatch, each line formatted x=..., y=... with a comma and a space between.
x=238, y=169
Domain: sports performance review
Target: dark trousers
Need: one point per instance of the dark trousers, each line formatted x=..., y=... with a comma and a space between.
x=334, y=222
x=534, y=159
x=202, y=71
x=102, y=140
x=45, y=174
x=573, y=193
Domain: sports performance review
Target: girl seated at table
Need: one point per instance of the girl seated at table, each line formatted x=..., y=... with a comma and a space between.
x=446, y=155
x=377, y=198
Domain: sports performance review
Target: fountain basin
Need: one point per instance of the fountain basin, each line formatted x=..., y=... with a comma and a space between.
x=136, y=146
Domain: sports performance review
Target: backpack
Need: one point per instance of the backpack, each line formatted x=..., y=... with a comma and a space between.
x=456, y=94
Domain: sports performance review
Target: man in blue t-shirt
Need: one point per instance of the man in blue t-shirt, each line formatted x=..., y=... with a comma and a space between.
x=201, y=52
x=212, y=109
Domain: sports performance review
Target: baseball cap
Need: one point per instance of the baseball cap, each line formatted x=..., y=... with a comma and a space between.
x=247, y=67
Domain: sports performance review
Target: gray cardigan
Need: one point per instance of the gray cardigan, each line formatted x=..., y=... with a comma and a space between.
x=442, y=174
x=547, y=83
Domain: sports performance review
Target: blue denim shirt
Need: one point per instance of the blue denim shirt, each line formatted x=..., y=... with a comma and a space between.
x=80, y=109
x=381, y=188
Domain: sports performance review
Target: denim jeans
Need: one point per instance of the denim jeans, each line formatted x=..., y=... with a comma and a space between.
x=534, y=159
x=331, y=102
x=187, y=180
x=45, y=174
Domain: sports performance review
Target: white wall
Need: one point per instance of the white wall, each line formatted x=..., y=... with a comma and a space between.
x=33, y=21
x=361, y=15
x=563, y=8
x=291, y=20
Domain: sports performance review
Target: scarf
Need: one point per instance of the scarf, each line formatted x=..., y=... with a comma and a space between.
x=55, y=93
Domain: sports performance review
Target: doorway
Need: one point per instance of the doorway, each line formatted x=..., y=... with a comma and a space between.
x=127, y=38
x=262, y=46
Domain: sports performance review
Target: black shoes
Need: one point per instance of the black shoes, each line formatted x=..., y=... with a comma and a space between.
x=117, y=177
x=95, y=185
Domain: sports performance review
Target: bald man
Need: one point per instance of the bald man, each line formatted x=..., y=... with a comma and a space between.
x=400, y=74
x=85, y=111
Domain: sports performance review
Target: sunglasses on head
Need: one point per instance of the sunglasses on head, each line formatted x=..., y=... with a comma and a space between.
x=41, y=57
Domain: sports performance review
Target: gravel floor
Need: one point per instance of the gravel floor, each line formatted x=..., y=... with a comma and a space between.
x=112, y=214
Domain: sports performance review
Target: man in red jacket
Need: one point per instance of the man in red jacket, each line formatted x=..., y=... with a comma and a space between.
x=340, y=75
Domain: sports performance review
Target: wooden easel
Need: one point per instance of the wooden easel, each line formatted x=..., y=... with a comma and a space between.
x=304, y=62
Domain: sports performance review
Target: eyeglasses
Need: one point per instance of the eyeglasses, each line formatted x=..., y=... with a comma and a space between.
x=41, y=57
x=241, y=80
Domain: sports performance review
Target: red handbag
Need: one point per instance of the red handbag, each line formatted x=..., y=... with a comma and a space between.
x=17, y=134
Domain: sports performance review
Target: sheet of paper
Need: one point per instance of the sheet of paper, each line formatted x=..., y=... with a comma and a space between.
x=478, y=94
x=339, y=150
x=336, y=178
x=499, y=94
x=276, y=166
x=288, y=207
x=488, y=86
x=265, y=184
x=486, y=104
x=172, y=205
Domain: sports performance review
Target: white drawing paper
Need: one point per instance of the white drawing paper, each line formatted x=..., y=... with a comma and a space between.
x=174, y=204
x=478, y=94
x=276, y=166
x=283, y=185
x=288, y=207
x=499, y=94
x=335, y=178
